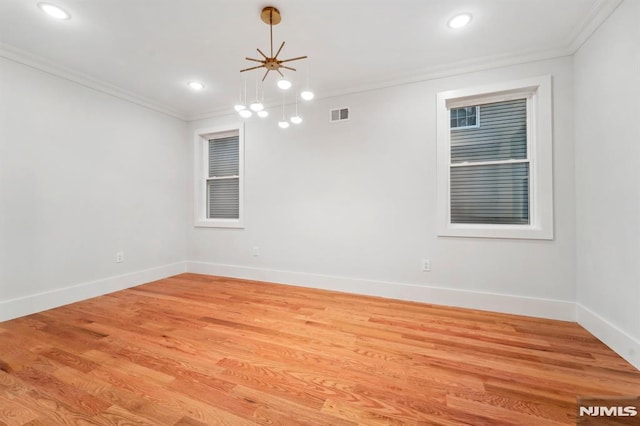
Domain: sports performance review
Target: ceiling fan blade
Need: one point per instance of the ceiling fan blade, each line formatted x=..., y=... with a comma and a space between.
x=260, y=52
x=252, y=68
x=293, y=59
x=281, y=46
x=288, y=68
x=255, y=60
x=265, y=74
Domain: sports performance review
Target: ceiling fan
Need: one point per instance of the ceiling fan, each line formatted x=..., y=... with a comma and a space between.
x=271, y=16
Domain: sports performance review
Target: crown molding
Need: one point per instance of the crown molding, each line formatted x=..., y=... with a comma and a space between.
x=442, y=71
x=219, y=112
x=599, y=12
x=457, y=68
x=25, y=58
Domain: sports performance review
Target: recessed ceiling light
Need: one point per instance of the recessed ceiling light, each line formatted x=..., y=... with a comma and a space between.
x=54, y=11
x=460, y=20
x=196, y=85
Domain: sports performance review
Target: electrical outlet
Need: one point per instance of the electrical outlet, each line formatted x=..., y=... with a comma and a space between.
x=120, y=257
x=426, y=265
x=256, y=251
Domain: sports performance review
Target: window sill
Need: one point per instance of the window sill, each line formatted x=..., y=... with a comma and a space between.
x=527, y=232
x=219, y=223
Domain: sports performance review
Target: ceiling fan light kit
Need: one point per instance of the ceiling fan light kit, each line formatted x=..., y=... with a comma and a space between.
x=271, y=16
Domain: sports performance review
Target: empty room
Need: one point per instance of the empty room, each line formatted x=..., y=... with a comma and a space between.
x=319, y=212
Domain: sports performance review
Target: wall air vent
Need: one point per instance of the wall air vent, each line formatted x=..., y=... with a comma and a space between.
x=339, y=114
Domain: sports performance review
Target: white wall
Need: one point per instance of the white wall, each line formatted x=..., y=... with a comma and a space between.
x=607, y=103
x=356, y=200
x=83, y=175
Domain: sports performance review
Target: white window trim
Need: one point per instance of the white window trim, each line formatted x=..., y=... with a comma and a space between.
x=200, y=150
x=537, y=90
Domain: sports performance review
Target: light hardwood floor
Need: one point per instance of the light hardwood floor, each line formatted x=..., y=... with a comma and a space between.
x=201, y=350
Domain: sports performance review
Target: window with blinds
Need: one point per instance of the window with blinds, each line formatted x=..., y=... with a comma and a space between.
x=489, y=169
x=495, y=160
x=223, y=178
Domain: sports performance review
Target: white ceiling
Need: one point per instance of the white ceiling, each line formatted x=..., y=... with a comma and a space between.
x=147, y=50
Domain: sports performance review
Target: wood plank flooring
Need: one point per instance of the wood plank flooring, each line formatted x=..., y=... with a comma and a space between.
x=202, y=350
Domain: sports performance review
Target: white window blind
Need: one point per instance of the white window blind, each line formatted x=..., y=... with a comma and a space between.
x=223, y=178
x=489, y=169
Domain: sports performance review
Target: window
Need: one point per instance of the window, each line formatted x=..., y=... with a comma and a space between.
x=464, y=118
x=218, y=178
x=489, y=166
x=494, y=161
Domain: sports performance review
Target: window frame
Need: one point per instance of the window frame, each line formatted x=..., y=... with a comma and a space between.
x=201, y=176
x=537, y=91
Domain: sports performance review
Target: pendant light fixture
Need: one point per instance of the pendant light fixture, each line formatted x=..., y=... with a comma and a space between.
x=284, y=84
x=256, y=105
x=307, y=94
x=296, y=119
x=241, y=104
x=283, y=123
x=263, y=113
x=271, y=16
x=244, y=111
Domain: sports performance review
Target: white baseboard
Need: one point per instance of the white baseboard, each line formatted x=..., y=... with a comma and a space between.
x=26, y=305
x=621, y=342
x=530, y=306
x=618, y=340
